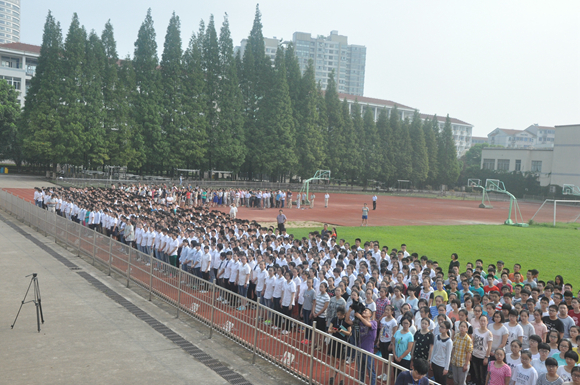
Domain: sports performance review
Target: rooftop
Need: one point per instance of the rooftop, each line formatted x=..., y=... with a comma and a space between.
x=443, y=118
x=390, y=103
x=511, y=132
x=367, y=100
x=22, y=47
x=519, y=148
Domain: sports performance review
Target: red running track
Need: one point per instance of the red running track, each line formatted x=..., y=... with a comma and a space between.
x=345, y=210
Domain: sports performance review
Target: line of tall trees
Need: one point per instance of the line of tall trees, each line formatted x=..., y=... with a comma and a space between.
x=207, y=108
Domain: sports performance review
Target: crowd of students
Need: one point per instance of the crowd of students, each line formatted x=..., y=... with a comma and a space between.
x=484, y=323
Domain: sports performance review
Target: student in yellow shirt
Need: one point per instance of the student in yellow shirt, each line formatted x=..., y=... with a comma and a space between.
x=440, y=291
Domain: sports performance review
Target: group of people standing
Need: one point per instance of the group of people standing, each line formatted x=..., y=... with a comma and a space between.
x=486, y=324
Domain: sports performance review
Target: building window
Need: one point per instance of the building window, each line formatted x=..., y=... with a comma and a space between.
x=489, y=164
x=518, y=165
x=503, y=164
x=536, y=166
x=14, y=82
x=10, y=62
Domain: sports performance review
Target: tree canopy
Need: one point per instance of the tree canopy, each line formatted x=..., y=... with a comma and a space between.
x=205, y=105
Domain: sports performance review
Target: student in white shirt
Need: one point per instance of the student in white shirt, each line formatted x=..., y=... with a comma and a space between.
x=524, y=373
x=287, y=299
x=269, y=286
x=205, y=263
x=260, y=278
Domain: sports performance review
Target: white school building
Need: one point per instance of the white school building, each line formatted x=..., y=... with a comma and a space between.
x=557, y=165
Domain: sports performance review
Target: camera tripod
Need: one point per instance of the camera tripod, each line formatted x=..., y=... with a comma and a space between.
x=36, y=300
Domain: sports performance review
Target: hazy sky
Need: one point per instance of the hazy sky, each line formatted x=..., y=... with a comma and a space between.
x=490, y=63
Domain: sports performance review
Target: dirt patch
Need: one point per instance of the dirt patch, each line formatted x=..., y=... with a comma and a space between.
x=295, y=224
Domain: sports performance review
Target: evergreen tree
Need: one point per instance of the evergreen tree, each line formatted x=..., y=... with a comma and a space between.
x=449, y=164
x=9, y=115
x=322, y=112
x=115, y=104
x=175, y=123
x=148, y=102
x=385, y=137
x=335, y=142
x=230, y=143
x=250, y=106
x=371, y=153
x=431, y=143
x=353, y=135
x=256, y=80
x=195, y=104
x=130, y=138
x=73, y=106
x=258, y=48
x=420, y=154
x=94, y=148
x=310, y=150
x=276, y=156
x=293, y=78
x=402, y=147
x=44, y=140
x=110, y=90
x=350, y=155
x=211, y=67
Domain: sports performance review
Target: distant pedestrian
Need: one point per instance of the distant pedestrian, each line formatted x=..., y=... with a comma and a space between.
x=233, y=211
x=326, y=197
x=374, y=202
x=365, y=215
x=312, y=196
x=298, y=200
x=281, y=219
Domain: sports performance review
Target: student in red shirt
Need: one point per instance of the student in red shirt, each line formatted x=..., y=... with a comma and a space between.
x=505, y=282
x=575, y=312
x=490, y=286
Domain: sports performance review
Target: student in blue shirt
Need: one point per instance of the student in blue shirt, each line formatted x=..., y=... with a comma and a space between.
x=476, y=288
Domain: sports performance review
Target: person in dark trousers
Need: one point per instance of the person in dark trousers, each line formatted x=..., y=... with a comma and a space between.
x=281, y=219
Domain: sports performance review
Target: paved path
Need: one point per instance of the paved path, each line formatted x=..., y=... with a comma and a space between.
x=93, y=335
x=22, y=181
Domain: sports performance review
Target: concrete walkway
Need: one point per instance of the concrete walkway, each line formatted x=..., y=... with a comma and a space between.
x=87, y=338
x=23, y=181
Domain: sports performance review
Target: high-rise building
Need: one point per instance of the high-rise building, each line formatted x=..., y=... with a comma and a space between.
x=270, y=45
x=333, y=53
x=9, y=21
x=328, y=53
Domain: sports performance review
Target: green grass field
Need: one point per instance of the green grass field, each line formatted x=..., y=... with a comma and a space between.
x=551, y=250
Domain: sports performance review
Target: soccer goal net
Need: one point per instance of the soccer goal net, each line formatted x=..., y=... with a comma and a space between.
x=558, y=210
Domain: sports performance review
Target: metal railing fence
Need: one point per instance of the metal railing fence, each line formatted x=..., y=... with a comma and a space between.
x=249, y=323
